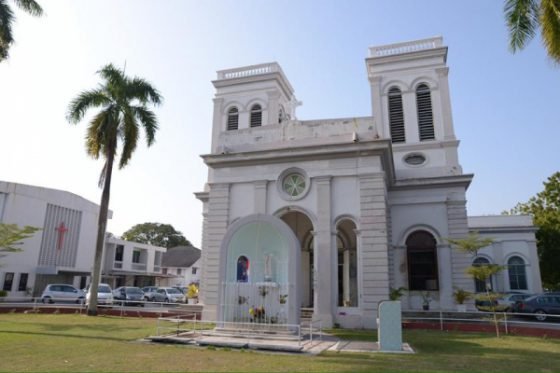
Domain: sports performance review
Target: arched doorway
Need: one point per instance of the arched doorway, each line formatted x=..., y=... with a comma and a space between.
x=302, y=227
x=259, y=276
x=347, y=264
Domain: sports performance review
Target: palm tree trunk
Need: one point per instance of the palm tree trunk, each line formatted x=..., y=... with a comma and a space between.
x=101, y=228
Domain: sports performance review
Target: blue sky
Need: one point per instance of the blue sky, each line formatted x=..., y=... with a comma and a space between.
x=505, y=106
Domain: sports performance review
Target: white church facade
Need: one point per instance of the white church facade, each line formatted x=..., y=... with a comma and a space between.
x=331, y=214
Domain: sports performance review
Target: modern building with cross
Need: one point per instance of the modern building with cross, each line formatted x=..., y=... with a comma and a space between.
x=62, y=251
x=331, y=214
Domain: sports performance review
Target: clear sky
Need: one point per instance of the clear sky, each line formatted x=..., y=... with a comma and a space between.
x=506, y=108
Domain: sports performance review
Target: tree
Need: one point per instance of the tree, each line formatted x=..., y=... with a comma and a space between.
x=524, y=17
x=123, y=102
x=472, y=244
x=545, y=209
x=11, y=237
x=157, y=234
x=7, y=19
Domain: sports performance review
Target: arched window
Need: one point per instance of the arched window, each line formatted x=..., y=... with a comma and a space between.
x=256, y=116
x=517, y=273
x=479, y=285
x=425, y=115
x=421, y=252
x=242, y=269
x=281, y=115
x=233, y=119
x=396, y=115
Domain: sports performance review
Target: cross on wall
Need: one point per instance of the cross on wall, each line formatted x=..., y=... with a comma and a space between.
x=61, y=229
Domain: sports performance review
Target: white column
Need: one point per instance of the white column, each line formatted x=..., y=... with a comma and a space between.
x=445, y=277
x=260, y=196
x=323, y=254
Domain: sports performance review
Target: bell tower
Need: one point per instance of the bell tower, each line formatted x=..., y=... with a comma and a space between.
x=248, y=97
x=410, y=99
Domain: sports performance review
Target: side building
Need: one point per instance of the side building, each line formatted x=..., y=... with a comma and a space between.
x=62, y=251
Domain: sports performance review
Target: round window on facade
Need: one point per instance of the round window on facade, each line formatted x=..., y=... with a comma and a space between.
x=293, y=184
x=415, y=159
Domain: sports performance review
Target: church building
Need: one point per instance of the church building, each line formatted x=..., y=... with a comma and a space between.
x=331, y=214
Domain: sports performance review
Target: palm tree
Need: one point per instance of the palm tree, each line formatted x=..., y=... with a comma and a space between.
x=524, y=17
x=123, y=102
x=7, y=18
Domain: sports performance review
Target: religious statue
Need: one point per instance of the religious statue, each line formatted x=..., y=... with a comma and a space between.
x=268, y=267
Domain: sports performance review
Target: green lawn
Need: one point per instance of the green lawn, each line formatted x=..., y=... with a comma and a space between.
x=77, y=343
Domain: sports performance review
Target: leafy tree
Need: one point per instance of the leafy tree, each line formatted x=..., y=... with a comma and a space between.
x=123, y=102
x=472, y=244
x=157, y=234
x=524, y=17
x=11, y=236
x=7, y=19
x=545, y=209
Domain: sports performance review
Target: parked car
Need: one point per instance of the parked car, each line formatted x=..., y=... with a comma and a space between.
x=169, y=295
x=504, y=303
x=149, y=292
x=129, y=295
x=508, y=301
x=62, y=293
x=104, y=294
x=540, y=305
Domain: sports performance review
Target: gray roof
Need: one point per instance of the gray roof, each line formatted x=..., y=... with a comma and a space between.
x=180, y=256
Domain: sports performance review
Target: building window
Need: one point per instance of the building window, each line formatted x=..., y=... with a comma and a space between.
x=242, y=269
x=136, y=256
x=119, y=253
x=179, y=271
x=517, y=274
x=164, y=271
x=8, y=281
x=194, y=269
x=422, y=261
x=479, y=285
x=425, y=115
x=233, y=119
x=396, y=115
x=281, y=115
x=22, y=286
x=256, y=116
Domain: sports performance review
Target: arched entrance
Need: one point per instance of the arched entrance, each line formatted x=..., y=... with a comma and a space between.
x=258, y=276
x=302, y=227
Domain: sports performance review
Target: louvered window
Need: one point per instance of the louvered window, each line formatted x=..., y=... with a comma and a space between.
x=517, y=274
x=425, y=115
x=233, y=119
x=396, y=115
x=256, y=116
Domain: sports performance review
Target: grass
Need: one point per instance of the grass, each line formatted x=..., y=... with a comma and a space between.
x=76, y=343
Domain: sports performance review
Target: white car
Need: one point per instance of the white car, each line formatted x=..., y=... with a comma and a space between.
x=104, y=294
x=62, y=293
x=169, y=295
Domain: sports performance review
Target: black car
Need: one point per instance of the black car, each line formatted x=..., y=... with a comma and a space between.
x=540, y=305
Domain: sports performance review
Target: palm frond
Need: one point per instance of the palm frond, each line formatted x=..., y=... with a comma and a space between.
x=115, y=79
x=129, y=136
x=30, y=6
x=86, y=100
x=148, y=120
x=97, y=132
x=522, y=19
x=6, y=21
x=550, y=27
x=140, y=89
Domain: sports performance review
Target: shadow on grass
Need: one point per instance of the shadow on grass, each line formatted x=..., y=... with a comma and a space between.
x=67, y=335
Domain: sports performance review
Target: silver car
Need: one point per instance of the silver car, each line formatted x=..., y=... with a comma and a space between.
x=62, y=293
x=104, y=294
x=129, y=295
x=169, y=295
x=149, y=292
